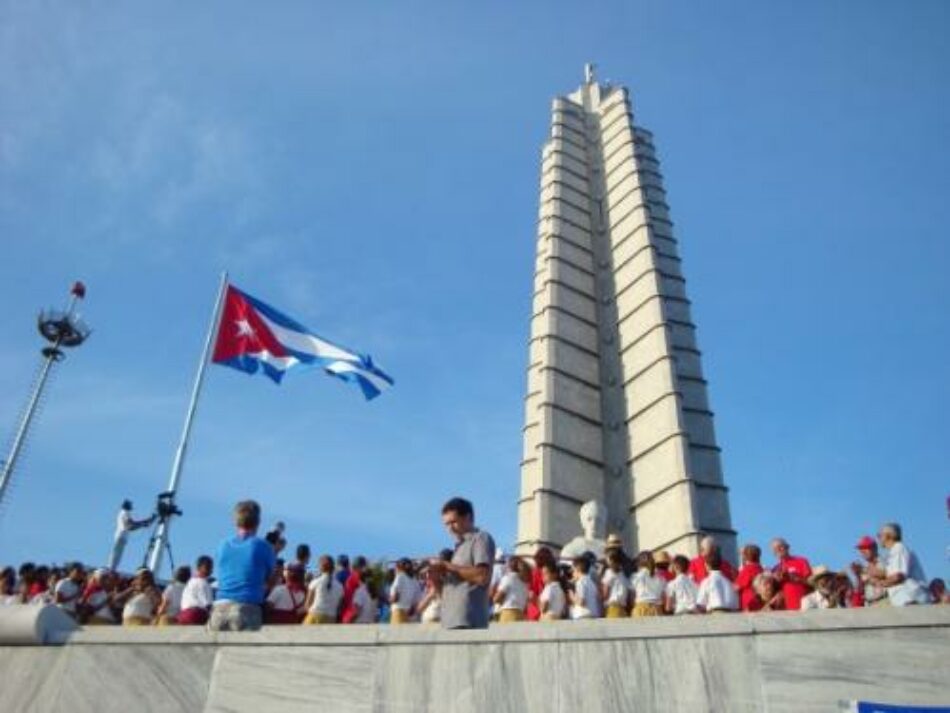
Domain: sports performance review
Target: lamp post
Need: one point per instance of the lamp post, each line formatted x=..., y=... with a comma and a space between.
x=60, y=329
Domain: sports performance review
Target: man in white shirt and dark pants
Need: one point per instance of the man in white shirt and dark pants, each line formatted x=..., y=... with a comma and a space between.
x=123, y=526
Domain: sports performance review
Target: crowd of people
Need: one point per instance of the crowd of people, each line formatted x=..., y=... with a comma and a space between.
x=249, y=583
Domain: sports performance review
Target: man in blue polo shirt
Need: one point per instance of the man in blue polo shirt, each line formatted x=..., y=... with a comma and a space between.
x=244, y=564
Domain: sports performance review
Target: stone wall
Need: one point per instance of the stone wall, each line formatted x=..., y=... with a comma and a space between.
x=775, y=662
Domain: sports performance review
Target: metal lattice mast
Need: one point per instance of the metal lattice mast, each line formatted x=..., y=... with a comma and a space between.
x=60, y=329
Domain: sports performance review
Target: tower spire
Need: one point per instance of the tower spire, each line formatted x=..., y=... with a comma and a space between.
x=589, y=73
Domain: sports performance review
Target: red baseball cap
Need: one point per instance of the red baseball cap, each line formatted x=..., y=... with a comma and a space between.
x=866, y=543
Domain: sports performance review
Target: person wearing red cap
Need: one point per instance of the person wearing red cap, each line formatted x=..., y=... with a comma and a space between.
x=792, y=573
x=872, y=594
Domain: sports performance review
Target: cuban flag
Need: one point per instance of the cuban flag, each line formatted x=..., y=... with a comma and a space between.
x=253, y=336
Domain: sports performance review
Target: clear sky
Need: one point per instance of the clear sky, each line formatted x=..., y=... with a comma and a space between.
x=372, y=170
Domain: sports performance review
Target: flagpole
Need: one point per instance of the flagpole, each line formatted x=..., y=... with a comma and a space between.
x=161, y=534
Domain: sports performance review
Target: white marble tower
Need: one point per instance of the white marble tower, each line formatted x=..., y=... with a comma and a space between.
x=616, y=407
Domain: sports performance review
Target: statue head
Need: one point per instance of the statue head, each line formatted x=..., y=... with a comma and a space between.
x=593, y=516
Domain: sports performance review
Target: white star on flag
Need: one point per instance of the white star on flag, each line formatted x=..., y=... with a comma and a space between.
x=244, y=328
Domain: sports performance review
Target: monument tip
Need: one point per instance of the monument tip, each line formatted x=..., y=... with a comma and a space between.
x=589, y=72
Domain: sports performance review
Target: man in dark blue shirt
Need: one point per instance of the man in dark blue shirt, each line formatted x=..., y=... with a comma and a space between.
x=244, y=564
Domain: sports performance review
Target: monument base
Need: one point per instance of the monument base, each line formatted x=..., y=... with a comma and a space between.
x=810, y=661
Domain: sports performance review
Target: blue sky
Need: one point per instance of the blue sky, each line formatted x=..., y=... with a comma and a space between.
x=373, y=171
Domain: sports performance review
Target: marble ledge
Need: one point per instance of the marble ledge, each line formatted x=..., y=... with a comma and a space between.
x=601, y=629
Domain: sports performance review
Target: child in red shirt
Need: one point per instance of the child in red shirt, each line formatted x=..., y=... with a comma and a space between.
x=751, y=568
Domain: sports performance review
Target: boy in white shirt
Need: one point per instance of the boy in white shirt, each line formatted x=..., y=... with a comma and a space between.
x=552, y=599
x=615, y=587
x=511, y=594
x=585, y=599
x=681, y=592
x=197, y=596
x=69, y=589
x=716, y=593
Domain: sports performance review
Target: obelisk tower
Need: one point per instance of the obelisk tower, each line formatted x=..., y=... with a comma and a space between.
x=616, y=408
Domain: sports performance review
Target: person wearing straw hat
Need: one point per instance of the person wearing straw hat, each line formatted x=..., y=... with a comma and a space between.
x=822, y=581
x=662, y=560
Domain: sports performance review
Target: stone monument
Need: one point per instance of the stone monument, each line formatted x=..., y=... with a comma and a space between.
x=616, y=409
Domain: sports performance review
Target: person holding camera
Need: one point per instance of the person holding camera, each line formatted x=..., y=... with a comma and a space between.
x=125, y=524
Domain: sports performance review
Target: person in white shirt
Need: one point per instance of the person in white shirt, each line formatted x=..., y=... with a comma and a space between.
x=511, y=594
x=430, y=608
x=615, y=587
x=69, y=589
x=648, y=587
x=197, y=597
x=97, y=600
x=716, y=593
x=497, y=572
x=822, y=581
x=123, y=526
x=365, y=605
x=903, y=576
x=170, y=607
x=552, y=600
x=8, y=586
x=405, y=594
x=681, y=592
x=285, y=603
x=585, y=599
x=324, y=595
x=141, y=600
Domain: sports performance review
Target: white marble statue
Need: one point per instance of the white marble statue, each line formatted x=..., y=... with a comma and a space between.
x=593, y=515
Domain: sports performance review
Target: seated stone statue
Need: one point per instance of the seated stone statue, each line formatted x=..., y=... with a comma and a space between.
x=593, y=516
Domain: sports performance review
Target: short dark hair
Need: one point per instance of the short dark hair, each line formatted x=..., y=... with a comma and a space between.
x=204, y=561
x=460, y=506
x=681, y=563
x=582, y=563
x=359, y=562
x=183, y=574
x=753, y=553
x=303, y=551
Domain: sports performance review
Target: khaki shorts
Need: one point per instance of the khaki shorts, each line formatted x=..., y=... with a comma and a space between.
x=507, y=616
x=399, y=616
x=616, y=611
x=312, y=618
x=646, y=609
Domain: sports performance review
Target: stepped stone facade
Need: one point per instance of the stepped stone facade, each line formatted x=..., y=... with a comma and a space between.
x=617, y=408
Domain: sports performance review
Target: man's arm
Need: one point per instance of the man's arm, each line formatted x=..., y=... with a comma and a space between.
x=479, y=574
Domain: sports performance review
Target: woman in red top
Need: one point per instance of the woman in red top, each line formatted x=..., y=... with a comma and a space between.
x=748, y=600
x=536, y=582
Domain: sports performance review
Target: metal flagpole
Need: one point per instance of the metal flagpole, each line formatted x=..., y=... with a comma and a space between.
x=161, y=535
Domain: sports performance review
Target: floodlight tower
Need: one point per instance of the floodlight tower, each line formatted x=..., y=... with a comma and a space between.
x=60, y=329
